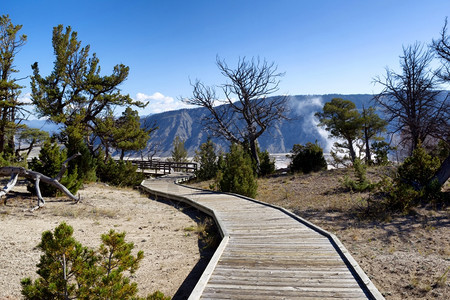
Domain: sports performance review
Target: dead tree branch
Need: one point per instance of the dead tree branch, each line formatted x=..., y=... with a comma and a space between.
x=15, y=172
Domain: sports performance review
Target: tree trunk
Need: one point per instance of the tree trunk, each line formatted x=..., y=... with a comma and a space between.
x=3, y=131
x=443, y=173
x=254, y=153
x=352, y=151
x=368, y=154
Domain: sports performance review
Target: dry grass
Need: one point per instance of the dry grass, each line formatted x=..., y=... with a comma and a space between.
x=406, y=256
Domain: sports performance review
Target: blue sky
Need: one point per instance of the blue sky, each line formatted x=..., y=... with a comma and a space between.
x=323, y=46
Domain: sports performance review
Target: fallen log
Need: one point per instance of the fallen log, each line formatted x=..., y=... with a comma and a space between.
x=16, y=172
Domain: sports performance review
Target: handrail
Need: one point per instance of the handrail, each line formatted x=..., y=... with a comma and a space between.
x=165, y=166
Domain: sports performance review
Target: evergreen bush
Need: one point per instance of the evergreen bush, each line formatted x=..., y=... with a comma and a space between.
x=179, y=152
x=68, y=270
x=207, y=159
x=7, y=160
x=51, y=158
x=118, y=173
x=411, y=185
x=419, y=168
x=308, y=158
x=267, y=165
x=85, y=164
x=362, y=184
x=381, y=150
x=236, y=175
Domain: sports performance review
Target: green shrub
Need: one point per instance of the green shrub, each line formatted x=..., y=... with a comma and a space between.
x=118, y=173
x=51, y=158
x=381, y=150
x=157, y=296
x=85, y=164
x=207, y=159
x=419, y=168
x=179, y=152
x=308, y=158
x=68, y=270
x=237, y=174
x=362, y=184
x=267, y=165
x=442, y=150
x=7, y=160
x=411, y=185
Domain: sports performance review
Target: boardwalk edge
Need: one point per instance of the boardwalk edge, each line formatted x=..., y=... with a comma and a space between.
x=362, y=277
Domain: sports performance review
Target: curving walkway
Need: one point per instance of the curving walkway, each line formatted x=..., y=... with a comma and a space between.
x=267, y=252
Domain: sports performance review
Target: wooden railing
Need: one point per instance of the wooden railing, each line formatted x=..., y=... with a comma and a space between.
x=164, y=167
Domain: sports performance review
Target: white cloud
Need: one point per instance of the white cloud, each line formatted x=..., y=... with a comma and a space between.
x=25, y=98
x=158, y=103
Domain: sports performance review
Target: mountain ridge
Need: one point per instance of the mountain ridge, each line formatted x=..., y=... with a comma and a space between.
x=300, y=129
x=186, y=123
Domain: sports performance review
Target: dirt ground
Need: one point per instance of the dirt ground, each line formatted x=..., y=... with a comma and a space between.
x=407, y=256
x=164, y=231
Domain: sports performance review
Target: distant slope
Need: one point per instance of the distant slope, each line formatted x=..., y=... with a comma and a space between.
x=43, y=125
x=301, y=129
x=186, y=123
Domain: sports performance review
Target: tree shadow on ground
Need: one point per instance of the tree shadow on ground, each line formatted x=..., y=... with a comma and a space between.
x=206, y=247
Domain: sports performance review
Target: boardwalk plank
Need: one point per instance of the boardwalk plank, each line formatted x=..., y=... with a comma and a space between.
x=269, y=253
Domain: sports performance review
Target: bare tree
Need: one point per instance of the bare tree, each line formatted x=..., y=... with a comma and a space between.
x=246, y=112
x=441, y=48
x=410, y=99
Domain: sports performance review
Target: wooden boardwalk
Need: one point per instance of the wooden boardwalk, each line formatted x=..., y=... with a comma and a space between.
x=267, y=252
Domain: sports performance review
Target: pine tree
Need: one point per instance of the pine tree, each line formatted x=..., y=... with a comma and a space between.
x=308, y=158
x=75, y=94
x=115, y=259
x=10, y=44
x=179, y=152
x=267, y=165
x=373, y=125
x=69, y=270
x=51, y=158
x=237, y=175
x=341, y=118
x=128, y=134
x=208, y=161
x=63, y=262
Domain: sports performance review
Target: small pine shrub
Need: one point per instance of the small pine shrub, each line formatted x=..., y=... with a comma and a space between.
x=179, y=152
x=68, y=270
x=51, y=158
x=118, y=173
x=63, y=263
x=381, y=150
x=362, y=184
x=411, y=185
x=419, y=168
x=267, y=165
x=308, y=158
x=207, y=159
x=236, y=175
x=7, y=160
x=85, y=164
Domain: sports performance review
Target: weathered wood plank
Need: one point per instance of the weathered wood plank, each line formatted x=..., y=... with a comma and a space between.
x=270, y=254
